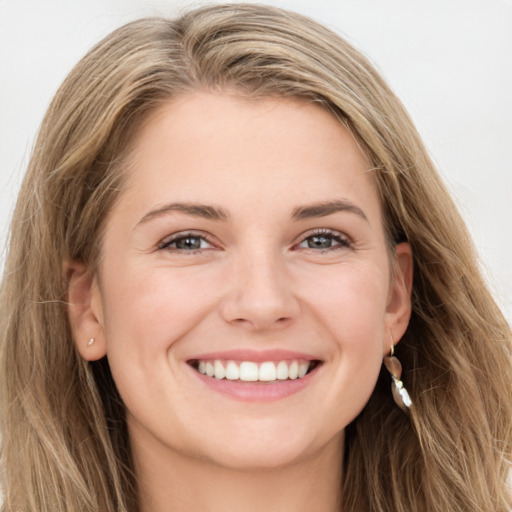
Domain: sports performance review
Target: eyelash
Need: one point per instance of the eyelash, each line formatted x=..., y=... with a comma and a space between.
x=341, y=241
x=174, y=239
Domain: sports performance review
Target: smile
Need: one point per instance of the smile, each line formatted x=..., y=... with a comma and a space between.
x=254, y=375
x=252, y=371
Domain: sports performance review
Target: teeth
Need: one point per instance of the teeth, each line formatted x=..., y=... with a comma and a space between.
x=232, y=371
x=303, y=369
x=220, y=372
x=250, y=371
x=282, y=370
x=267, y=372
x=293, y=371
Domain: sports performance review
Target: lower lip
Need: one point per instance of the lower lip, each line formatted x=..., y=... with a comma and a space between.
x=257, y=391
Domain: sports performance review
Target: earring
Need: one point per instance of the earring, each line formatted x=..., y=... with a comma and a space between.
x=90, y=342
x=394, y=367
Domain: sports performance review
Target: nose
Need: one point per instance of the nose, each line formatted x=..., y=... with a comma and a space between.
x=260, y=295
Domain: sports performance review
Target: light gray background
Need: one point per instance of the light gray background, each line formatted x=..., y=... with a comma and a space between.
x=450, y=62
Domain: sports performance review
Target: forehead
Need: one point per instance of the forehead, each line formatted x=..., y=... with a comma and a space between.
x=200, y=144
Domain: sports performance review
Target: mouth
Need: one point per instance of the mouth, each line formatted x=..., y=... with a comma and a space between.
x=254, y=371
x=255, y=376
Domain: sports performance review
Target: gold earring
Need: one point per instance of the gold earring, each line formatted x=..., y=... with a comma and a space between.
x=394, y=367
x=90, y=342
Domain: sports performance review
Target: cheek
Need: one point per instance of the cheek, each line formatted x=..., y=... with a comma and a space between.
x=358, y=321
x=351, y=301
x=150, y=309
x=352, y=316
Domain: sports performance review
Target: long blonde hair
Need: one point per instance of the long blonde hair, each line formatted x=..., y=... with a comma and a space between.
x=65, y=443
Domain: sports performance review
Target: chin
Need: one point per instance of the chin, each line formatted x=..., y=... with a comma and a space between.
x=258, y=458
x=265, y=447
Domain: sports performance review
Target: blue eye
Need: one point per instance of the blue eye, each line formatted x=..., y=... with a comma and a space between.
x=324, y=240
x=186, y=242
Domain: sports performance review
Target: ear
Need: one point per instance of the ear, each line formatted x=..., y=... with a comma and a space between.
x=85, y=311
x=398, y=310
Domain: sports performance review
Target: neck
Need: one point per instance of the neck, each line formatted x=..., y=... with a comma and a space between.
x=180, y=483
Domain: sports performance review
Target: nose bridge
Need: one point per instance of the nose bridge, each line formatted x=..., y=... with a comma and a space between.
x=260, y=293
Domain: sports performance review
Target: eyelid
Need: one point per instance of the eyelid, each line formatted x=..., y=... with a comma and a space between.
x=165, y=243
x=342, y=239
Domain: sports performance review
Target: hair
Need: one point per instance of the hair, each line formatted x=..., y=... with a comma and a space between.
x=65, y=442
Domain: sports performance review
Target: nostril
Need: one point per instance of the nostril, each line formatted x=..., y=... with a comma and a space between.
x=240, y=321
x=259, y=322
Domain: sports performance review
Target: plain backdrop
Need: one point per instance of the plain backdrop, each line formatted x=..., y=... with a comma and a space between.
x=449, y=61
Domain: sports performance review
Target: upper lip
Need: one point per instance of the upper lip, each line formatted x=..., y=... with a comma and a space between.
x=254, y=355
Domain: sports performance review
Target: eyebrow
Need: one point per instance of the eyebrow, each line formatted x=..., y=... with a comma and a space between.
x=195, y=210
x=327, y=208
x=216, y=213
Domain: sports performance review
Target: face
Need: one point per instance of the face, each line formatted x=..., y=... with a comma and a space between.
x=245, y=297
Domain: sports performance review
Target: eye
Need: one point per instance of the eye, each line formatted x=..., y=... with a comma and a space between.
x=186, y=242
x=324, y=240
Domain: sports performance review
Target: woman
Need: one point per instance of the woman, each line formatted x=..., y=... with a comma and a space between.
x=227, y=225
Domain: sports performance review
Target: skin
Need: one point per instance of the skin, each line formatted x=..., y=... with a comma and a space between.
x=257, y=281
